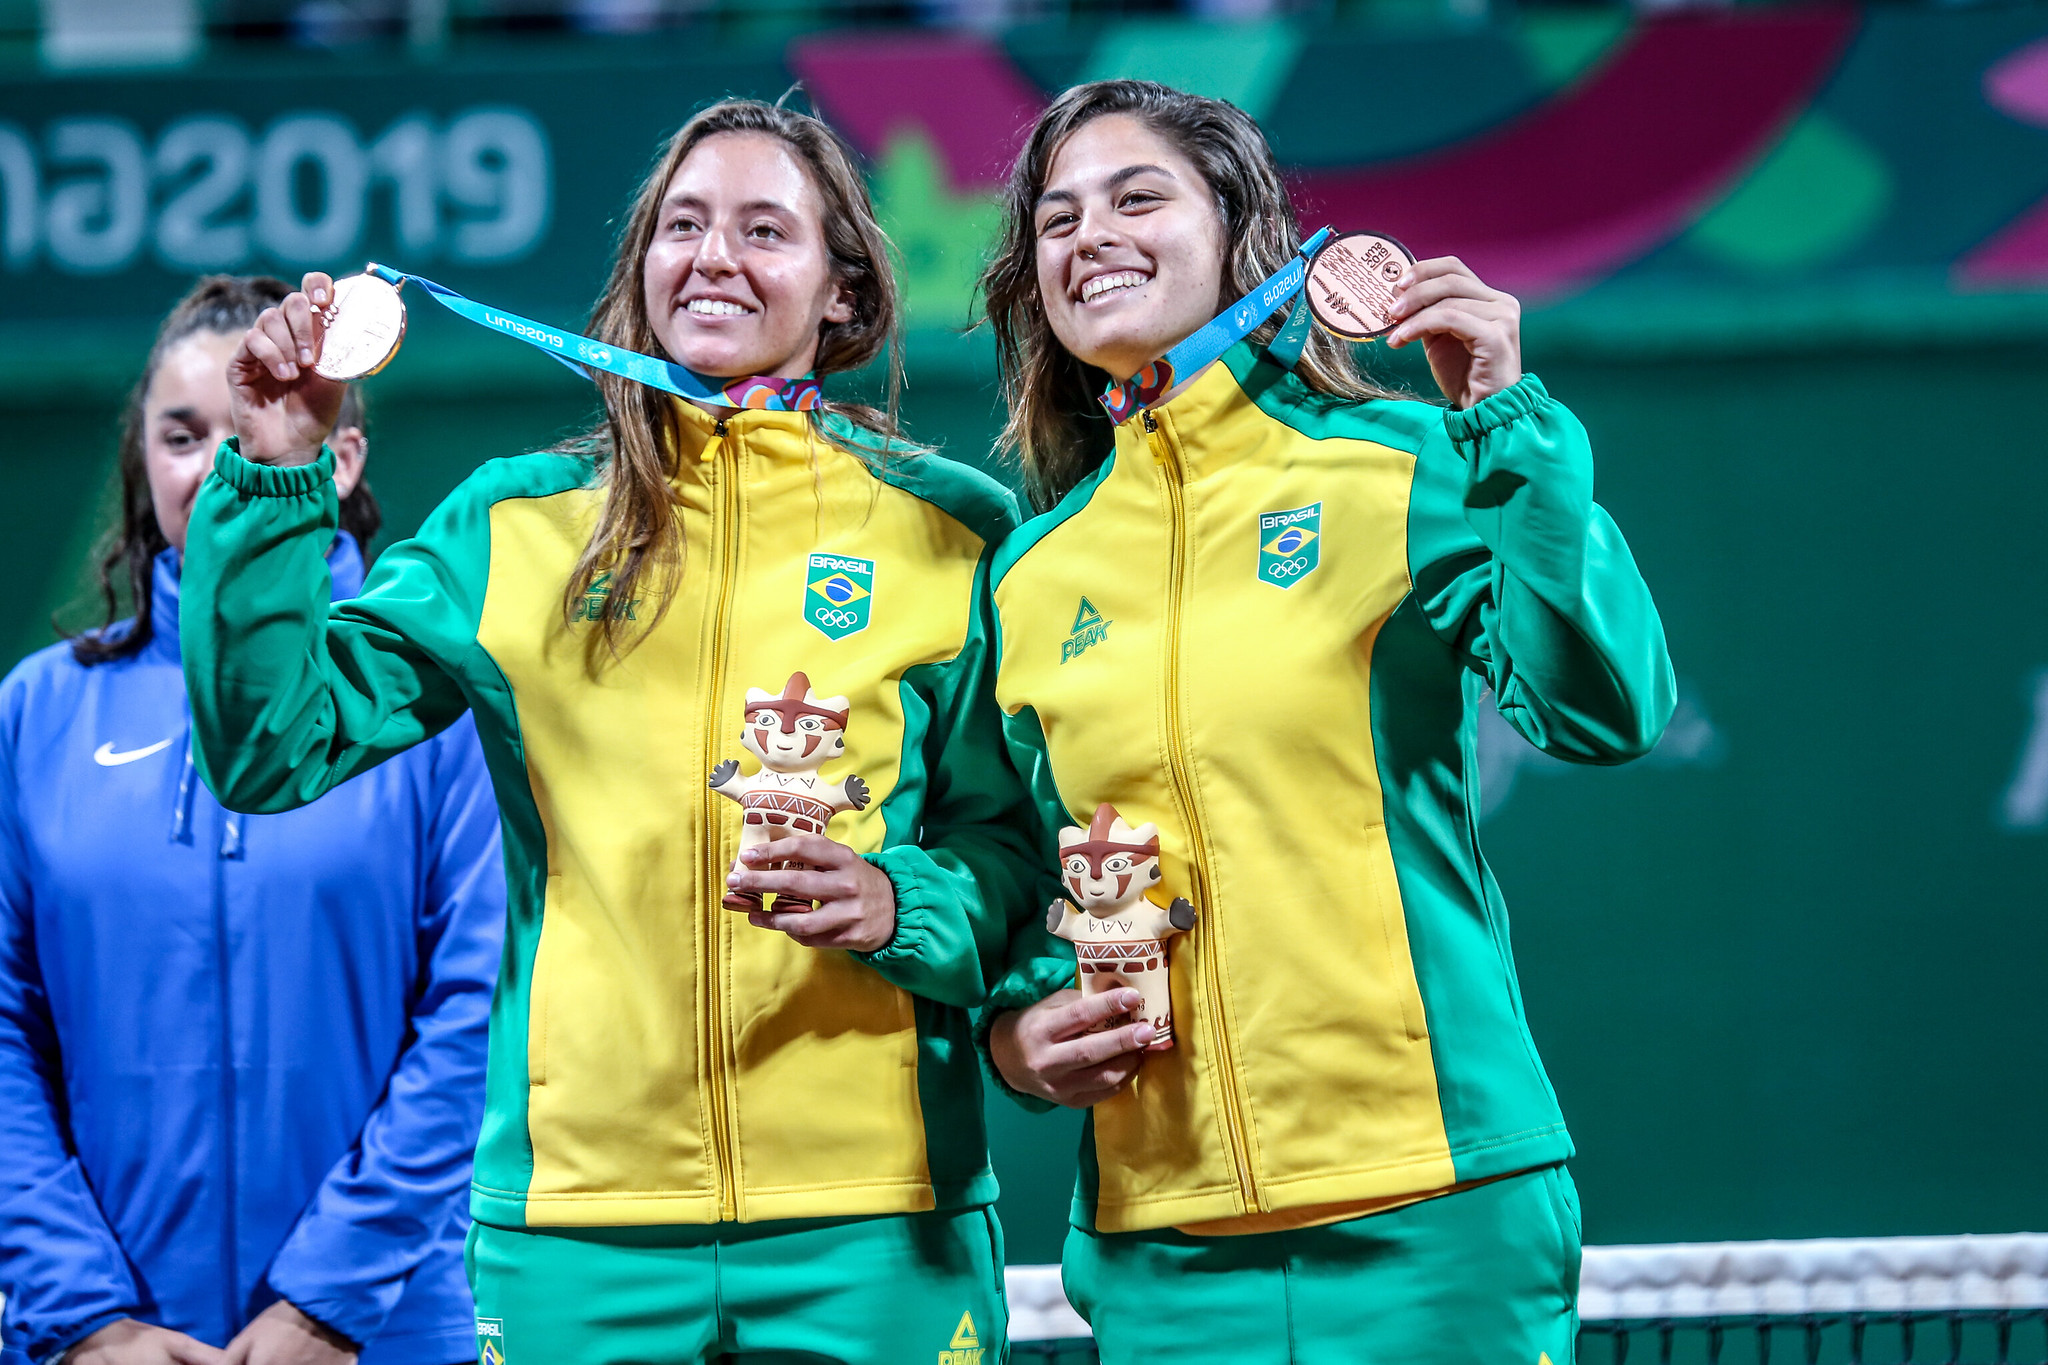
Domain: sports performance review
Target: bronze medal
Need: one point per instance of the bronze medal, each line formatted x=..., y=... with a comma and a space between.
x=1351, y=284
x=365, y=324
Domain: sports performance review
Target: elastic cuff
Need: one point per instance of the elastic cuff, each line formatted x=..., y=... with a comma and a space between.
x=913, y=909
x=319, y=1317
x=1021, y=989
x=1525, y=397
x=268, y=480
x=69, y=1339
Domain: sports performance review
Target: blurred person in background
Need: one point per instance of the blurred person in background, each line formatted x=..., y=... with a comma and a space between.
x=1352, y=1151
x=241, y=1057
x=709, y=1133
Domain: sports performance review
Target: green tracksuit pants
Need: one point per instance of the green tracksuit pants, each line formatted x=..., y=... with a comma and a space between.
x=1487, y=1276
x=911, y=1289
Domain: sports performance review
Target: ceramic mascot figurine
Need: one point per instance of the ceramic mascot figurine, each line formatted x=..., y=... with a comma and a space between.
x=793, y=735
x=1119, y=931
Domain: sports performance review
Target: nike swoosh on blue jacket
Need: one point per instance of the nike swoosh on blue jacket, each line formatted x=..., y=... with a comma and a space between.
x=241, y=1057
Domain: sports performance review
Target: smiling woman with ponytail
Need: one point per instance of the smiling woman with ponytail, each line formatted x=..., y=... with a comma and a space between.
x=707, y=1131
x=241, y=1057
x=125, y=558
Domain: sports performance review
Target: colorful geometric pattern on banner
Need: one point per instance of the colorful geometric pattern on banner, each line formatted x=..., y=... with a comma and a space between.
x=751, y=391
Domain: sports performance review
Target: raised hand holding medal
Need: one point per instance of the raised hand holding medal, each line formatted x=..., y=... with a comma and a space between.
x=1471, y=331
x=1361, y=286
x=284, y=407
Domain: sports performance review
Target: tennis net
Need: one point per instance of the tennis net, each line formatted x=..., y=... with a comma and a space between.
x=1968, y=1300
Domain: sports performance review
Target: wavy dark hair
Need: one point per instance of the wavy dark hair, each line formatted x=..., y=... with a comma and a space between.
x=1057, y=427
x=638, y=540
x=125, y=558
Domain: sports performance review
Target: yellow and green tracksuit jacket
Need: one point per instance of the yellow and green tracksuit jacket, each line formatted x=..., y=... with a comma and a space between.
x=1265, y=623
x=655, y=1058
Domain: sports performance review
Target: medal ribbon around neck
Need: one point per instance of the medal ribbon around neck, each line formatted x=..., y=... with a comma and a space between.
x=753, y=391
x=1215, y=337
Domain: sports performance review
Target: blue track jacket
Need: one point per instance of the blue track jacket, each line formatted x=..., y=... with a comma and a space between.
x=241, y=1056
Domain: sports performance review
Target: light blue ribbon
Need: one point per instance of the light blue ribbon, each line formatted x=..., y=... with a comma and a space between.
x=1215, y=336
x=577, y=352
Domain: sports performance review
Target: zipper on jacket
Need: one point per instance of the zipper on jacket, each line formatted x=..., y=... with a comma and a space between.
x=725, y=531
x=1172, y=476
x=223, y=967
x=181, y=804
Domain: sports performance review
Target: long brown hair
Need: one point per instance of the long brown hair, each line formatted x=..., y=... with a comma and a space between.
x=220, y=305
x=638, y=540
x=1057, y=426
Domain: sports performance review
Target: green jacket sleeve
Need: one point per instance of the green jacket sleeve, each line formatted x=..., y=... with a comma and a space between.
x=1529, y=580
x=293, y=694
x=960, y=852
x=1037, y=962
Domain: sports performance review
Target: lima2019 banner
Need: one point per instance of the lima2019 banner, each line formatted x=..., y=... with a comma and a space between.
x=1579, y=154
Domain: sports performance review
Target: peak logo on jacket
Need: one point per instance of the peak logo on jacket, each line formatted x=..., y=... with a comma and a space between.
x=965, y=1348
x=1089, y=630
x=837, y=594
x=591, y=608
x=1290, y=544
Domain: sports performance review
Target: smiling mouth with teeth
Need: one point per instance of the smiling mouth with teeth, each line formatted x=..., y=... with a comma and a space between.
x=716, y=308
x=1109, y=284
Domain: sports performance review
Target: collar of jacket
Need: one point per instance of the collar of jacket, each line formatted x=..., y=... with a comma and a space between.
x=1202, y=420
x=698, y=440
x=344, y=565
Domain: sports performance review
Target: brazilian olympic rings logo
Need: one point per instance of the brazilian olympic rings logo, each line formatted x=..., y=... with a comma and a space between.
x=832, y=616
x=1286, y=568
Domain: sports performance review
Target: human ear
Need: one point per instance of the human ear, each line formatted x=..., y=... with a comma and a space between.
x=351, y=449
x=840, y=309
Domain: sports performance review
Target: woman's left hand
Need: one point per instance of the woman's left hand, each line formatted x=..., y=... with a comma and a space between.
x=282, y=1335
x=855, y=902
x=1473, y=334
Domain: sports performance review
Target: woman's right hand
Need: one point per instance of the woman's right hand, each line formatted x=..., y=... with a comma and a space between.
x=1050, y=1049
x=283, y=410
x=129, y=1342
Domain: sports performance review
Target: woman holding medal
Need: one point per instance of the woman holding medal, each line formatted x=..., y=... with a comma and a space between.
x=708, y=1134
x=1351, y=1152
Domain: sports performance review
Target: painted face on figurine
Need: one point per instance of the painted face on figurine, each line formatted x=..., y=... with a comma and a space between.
x=794, y=732
x=1109, y=863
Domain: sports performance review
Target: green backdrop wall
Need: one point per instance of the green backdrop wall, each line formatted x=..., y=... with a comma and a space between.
x=1785, y=970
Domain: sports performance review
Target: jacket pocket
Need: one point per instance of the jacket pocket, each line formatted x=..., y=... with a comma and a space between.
x=537, y=1005
x=1386, y=898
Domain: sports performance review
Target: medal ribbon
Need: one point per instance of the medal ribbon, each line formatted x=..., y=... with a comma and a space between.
x=753, y=391
x=1216, y=336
